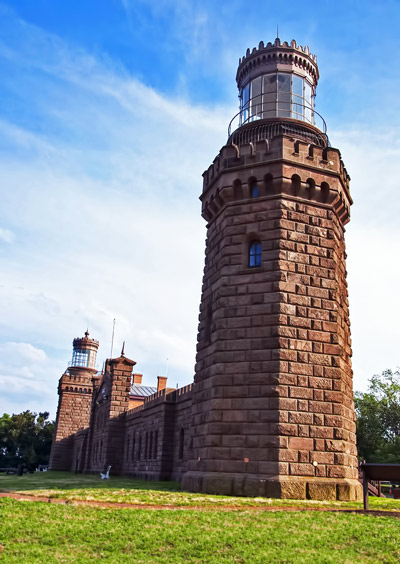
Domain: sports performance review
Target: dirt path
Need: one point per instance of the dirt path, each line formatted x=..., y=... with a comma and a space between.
x=115, y=505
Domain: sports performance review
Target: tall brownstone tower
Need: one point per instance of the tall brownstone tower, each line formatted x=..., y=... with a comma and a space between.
x=273, y=402
x=75, y=389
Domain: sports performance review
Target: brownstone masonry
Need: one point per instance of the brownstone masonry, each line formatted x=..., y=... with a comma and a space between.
x=273, y=406
x=271, y=409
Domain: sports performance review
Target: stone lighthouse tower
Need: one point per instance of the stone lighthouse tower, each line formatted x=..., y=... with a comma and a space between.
x=273, y=406
x=75, y=389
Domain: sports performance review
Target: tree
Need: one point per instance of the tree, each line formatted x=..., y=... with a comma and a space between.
x=25, y=438
x=378, y=419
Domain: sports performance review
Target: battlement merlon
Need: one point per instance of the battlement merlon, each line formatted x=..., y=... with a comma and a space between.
x=279, y=55
x=277, y=43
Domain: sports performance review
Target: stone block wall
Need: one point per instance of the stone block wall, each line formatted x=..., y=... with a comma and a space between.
x=273, y=408
x=147, y=432
x=95, y=456
x=182, y=437
x=155, y=447
x=151, y=441
x=79, y=451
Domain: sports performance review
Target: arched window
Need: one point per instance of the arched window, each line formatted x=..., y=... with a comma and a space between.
x=296, y=184
x=255, y=254
x=324, y=191
x=254, y=191
x=310, y=185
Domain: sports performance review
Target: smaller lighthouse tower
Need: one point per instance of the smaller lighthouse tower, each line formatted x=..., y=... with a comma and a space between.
x=75, y=395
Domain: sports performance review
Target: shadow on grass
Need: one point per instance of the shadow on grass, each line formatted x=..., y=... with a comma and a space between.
x=69, y=481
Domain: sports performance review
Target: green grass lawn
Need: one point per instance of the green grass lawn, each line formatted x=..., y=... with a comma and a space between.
x=88, y=487
x=33, y=532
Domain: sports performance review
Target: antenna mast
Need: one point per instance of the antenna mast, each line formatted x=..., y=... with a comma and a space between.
x=112, y=338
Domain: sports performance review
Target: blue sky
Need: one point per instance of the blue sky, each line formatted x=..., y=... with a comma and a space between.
x=109, y=113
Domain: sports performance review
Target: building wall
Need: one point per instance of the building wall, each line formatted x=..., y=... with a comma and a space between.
x=151, y=441
x=182, y=438
x=79, y=451
x=95, y=459
x=157, y=436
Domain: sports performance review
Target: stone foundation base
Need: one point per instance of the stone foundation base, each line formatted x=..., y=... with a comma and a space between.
x=277, y=487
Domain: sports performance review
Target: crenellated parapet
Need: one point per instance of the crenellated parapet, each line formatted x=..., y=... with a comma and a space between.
x=167, y=395
x=277, y=44
x=277, y=54
x=76, y=381
x=282, y=167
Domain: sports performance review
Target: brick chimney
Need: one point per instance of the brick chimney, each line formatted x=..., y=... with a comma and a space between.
x=161, y=383
x=137, y=378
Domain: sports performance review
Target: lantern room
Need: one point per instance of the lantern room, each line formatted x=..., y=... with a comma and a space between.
x=84, y=352
x=277, y=84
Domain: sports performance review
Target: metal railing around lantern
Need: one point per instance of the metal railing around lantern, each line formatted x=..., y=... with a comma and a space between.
x=275, y=120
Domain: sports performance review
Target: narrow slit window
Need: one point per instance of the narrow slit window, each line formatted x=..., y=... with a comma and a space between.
x=255, y=254
x=181, y=443
x=155, y=445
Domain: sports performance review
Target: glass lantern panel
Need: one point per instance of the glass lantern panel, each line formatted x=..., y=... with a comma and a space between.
x=269, y=95
x=297, y=97
x=80, y=358
x=284, y=94
x=255, y=99
x=308, y=113
x=91, y=359
x=245, y=107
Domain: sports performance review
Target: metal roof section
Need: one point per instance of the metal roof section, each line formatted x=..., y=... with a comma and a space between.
x=142, y=391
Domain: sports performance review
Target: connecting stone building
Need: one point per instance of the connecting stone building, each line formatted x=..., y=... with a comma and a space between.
x=271, y=409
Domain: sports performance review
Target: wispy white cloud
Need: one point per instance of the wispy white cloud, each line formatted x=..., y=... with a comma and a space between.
x=100, y=203
x=25, y=352
x=24, y=378
x=373, y=234
x=6, y=235
x=107, y=222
